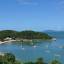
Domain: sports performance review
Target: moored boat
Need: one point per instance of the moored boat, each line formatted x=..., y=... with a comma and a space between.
x=54, y=39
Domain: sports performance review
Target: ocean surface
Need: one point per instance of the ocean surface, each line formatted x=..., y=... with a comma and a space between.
x=48, y=50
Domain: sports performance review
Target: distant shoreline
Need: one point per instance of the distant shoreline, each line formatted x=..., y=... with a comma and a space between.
x=23, y=36
x=28, y=40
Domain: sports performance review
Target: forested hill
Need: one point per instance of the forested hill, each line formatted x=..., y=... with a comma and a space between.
x=24, y=34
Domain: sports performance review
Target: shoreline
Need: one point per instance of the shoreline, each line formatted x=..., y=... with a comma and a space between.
x=27, y=40
x=7, y=41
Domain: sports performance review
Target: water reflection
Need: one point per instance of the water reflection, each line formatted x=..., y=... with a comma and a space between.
x=46, y=46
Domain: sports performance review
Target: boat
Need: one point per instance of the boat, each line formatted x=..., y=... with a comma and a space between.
x=23, y=48
x=54, y=39
x=34, y=46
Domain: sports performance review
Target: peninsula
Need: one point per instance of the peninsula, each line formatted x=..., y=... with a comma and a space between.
x=7, y=35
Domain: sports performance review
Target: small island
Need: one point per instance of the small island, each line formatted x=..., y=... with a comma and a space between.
x=27, y=35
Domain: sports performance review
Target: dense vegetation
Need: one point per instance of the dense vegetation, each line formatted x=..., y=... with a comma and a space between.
x=23, y=35
x=8, y=58
x=41, y=61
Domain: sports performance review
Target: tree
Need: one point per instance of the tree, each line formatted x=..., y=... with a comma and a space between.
x=9, y=57
x=40, y=61
x=29, y=63
x=55, y=62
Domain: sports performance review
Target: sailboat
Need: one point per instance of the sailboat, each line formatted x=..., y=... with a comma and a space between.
x=22, y=47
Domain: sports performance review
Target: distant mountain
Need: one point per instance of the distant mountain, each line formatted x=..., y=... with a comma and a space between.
x=56, y=34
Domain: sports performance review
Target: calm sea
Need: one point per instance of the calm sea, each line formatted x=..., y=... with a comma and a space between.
x=48, y=50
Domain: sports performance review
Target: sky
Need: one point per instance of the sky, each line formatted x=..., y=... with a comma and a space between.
x=36, y=15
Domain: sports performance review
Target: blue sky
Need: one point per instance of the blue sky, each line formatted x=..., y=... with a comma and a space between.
x=32, y=15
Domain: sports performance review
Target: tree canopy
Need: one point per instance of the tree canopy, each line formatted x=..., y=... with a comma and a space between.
x=8, y=58
x=23, y=34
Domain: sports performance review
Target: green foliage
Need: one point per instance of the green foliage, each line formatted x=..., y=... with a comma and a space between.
x=39, y=61
x=55, y=62
x=23, y=35
x=8, y=58
x=7, y=33
x=29, y=63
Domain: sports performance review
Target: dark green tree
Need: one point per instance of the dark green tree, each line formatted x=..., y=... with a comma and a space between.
x=40, y=61
x=55, y=62
x=9, y=57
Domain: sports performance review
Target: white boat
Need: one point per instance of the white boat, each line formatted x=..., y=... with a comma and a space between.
x=34, y=46
x=54, y=39
x=23, y=48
